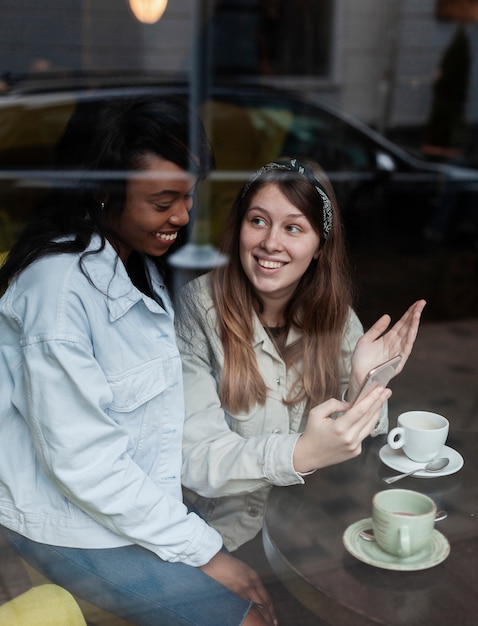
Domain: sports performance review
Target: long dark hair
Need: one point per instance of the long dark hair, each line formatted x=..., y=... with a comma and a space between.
x=102, y=142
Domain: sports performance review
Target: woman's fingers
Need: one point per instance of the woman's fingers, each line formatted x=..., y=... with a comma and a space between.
x=259, y=616
x=377, y=346
x=377, y=329
x=361, y=419
x=266, y=609
x=349, y=414
x=241, y=579
x=361, y=411
x=403, y=334
x=257, y=593
x=327, y=441
x=366, y=426
x=410, y=319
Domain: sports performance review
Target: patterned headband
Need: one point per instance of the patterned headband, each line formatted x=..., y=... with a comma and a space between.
x=295, y=166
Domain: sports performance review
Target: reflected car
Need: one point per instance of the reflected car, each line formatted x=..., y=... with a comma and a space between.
x=411, y=225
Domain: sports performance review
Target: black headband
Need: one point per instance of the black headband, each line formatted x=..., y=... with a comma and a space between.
x=295, y=166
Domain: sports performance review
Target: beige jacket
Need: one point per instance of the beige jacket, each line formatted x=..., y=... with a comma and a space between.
x=231, y=461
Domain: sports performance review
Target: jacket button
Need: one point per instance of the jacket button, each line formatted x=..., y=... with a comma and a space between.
x=253, y=511
x=277, y=431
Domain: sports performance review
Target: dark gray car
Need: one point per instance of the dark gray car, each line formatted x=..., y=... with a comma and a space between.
x=412, y=225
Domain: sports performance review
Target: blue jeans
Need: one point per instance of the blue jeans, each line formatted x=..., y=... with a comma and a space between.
x=135, y=584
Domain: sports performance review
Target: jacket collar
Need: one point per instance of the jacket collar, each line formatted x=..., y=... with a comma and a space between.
x=108, y=274
x=262, y=336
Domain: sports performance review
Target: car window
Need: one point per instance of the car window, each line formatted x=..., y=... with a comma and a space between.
x=262, y=127
x=247, y=130
x=245, y=136
x=329, y=141
x=29, y=131
x=30, y=127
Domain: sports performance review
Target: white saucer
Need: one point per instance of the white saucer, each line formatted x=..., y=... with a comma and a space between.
x=369, y=552
x=397, y=460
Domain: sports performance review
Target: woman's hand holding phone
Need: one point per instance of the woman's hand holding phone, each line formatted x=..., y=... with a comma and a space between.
x=326, y=441
x=380, y=375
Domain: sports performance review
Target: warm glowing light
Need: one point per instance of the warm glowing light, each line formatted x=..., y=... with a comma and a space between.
x=148, y=11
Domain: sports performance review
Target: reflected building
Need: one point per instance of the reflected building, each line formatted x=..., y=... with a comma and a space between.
x=376, y=61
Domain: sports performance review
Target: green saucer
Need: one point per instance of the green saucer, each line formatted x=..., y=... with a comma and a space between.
x=369, y=552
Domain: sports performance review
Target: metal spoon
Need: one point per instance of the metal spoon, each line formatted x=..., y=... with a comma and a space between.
x=433, y=466
x=367, y=535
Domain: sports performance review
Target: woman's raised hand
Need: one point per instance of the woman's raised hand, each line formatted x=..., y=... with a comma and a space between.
x=377, y=346
x=327, y=441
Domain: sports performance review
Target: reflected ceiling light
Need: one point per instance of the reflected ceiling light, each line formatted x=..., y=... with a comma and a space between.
x=148, y=11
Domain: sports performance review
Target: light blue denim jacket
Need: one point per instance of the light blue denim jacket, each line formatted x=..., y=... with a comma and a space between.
x=92, y=410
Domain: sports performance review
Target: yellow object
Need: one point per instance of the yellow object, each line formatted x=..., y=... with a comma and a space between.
x=46, y=605
x=257, y=136
x=94, y=615
x=148, y=11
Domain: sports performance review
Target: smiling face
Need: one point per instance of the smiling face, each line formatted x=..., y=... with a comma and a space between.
x=158, y=200
x=277, y=245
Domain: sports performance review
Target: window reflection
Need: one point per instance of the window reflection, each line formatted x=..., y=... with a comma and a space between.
x=272, y=37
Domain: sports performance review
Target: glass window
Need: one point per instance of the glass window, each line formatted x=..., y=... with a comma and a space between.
x=279, y=78
x=272, y=37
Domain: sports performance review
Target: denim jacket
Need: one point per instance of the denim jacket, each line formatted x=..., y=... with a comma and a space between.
x=92, y=410
x=232, y=461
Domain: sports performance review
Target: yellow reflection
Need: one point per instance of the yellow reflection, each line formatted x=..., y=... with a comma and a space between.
x=148, y=11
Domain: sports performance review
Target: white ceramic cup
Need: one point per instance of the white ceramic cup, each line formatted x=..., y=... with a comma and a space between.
x=403, y=521
x=421, y=434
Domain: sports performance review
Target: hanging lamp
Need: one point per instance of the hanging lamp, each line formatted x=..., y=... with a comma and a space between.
x=148, y=11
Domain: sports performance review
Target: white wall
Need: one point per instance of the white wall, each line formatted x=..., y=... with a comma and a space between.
x=388, y=52
x=114, y=39
x=30, y=31
x=422, y=41
x=384, y=57
x=367, y=53
x=167, y=46
x=100, y=35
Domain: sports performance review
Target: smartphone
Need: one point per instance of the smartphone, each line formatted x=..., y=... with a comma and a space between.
x=379, y=375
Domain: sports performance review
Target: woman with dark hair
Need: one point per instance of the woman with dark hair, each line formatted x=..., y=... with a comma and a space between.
x=268, y=342
x=92, y=399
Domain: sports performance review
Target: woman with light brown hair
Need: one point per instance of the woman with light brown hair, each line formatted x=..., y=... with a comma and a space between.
x=269, y=342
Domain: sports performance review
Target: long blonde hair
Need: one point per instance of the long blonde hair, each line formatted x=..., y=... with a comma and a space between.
x=319, y=307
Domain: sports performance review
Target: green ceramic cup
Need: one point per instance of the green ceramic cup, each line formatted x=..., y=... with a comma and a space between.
x=403, y=521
